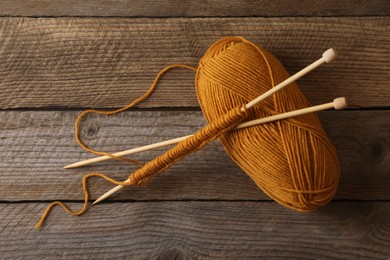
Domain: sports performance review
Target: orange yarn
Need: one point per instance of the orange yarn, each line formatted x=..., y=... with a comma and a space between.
x=101, y=112
x=87, y=148
x=207, y=134
x=292, y=160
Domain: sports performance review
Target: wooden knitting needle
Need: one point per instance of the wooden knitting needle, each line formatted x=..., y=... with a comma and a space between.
x=338, y=103
x=327, y=57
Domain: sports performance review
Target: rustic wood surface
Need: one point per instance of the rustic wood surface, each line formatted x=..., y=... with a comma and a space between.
x=35, y=145
x=187, y=8
x=99, y=62
x=59, y=57
x=198, y=230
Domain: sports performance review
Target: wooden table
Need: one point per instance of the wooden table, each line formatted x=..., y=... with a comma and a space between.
x=59, y=57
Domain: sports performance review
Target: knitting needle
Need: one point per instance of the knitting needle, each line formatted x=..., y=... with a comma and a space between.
x=327, y=57
x=338, y=103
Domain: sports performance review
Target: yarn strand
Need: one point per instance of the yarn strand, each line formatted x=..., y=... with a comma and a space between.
x=113, y=112
x=87, y=148
x=86, y=198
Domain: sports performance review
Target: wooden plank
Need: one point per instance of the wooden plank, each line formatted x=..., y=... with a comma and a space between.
x=100, y=62
x=171, y=8
x=35, y=145
x=198, y=230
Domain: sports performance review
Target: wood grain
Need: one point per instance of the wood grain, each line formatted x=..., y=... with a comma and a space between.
x=186, y=8
x=198, y=230
x=171, y=8
x=35, y=145
x=100, y=62
x=71, y=55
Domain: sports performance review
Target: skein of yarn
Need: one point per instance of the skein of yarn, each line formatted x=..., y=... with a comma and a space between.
x=292, y=160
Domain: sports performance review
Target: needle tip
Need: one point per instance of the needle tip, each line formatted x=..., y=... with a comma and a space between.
x=109, y=193
x=329, y=55
x=340, y=103
x=73, y=165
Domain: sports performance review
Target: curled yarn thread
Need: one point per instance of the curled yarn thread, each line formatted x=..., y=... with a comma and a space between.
x=205, y=135
x=291, y=160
